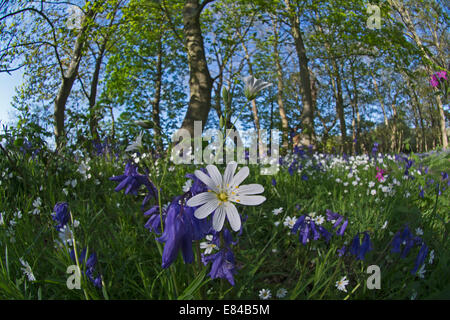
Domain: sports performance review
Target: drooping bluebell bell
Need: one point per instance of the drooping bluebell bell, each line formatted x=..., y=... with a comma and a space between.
x=375, y=149
x=197, y=185
x=360, y=250
x=62, y=214
x=406, y=239
x=223, y=265
x=338, y=219
x=176, y=236
x=131, y=181
x=90, y=264
x=342, y=251
x=308, y=230
x=181, y=227
x=420, y=257
x=421, y=192
x=274, y=182
x=154, y=222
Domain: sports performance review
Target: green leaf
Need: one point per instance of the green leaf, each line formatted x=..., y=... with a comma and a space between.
x=195, y=285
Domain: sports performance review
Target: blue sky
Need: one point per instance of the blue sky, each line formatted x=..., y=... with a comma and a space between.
x=8, y=83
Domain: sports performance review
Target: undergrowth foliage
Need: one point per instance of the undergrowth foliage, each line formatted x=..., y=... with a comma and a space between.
x=134, y=225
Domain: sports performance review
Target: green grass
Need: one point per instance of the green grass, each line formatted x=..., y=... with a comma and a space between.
x=267, y=255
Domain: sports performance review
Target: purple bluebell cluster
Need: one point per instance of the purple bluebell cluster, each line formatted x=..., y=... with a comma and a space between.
x=61, y=215
x=359, y=249
x=131, y=181
x=308, y=230
x=177, y=228
x=223, y=264
x=404, y=241
x=90, y=264
x=338, y=220
x=181, y=227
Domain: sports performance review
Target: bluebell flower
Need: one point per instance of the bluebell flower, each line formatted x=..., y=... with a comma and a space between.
x=90, y=264
x=338, y=219
x=176, y=236
x=154, y=222
x=444, y=176
x=180, y=229
x=420, y=257
x=223, y=265
x=342, y=251
x=197, y=185
x=131, y=180
x=62, y=215
x=308, y=230
x=274, y=182
x=421, y=192
x=360, y=250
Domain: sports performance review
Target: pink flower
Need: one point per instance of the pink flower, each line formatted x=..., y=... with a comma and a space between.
x=379, y=175
x=441, y=75
x=434, y=81
x=438, y=77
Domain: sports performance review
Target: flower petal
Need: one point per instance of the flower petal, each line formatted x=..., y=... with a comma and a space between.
x=249, y=189
x=233, y=216
x=229, y=173
x=219, y=218
x=206, y=209
x=200, y=199
x=206, y=180
x=215, y=175
x=249, y=200
x=239, y=177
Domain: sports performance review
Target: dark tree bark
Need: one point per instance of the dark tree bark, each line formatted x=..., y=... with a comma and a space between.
x=157, y=100
x=200, y=82
x=307, y=115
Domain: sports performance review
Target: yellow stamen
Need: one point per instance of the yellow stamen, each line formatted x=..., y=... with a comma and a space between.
x=222, y=196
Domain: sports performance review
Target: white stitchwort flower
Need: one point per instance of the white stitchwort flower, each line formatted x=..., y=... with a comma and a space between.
x=208, y=246
x=253, y=86
x=136, y=145
x=431, y=259
x=289, y=222
x=66, y=235
x=419, y=232
x=222, y=192
x=319, y=220
x=341, y=284
x=187, y=186
x=277, y=211
x=27, y=270
x=265, y=294
x=281, y=293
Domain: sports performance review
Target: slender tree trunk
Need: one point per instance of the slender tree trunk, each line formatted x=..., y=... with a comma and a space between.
x=200, y=82
x=442, y=123
x=254, y=107
x=280, y=91
x=307, y=116
x=93, y=120
x=68, y=78
x=157, y=99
